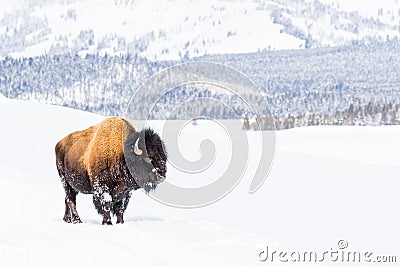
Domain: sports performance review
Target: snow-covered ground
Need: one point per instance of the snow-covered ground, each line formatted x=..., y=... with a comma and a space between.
x=326, y=184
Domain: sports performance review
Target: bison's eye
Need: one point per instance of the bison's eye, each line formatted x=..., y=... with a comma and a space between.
x=147, y=160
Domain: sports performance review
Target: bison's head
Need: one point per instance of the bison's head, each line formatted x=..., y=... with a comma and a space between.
x=146, y=158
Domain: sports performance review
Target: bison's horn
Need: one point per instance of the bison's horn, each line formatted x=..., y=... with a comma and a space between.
x=136, y=149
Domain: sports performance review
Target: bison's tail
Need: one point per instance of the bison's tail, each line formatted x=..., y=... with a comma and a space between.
x=59, y=149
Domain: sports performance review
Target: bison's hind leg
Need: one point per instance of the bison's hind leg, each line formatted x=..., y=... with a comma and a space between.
x=71, y=214
x=67, y=215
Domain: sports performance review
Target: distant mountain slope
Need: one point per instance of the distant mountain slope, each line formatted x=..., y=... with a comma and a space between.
x=353, y=84
x=177, y=29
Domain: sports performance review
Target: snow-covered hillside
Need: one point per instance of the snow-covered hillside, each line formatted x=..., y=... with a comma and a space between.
x=160, y=30
x=327, y=184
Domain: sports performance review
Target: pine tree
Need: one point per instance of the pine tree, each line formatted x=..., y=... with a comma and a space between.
x=246, y=123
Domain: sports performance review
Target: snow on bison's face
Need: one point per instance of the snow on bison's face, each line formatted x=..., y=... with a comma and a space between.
x=146, y=158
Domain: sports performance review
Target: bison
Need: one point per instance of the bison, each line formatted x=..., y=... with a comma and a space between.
x=109, y=160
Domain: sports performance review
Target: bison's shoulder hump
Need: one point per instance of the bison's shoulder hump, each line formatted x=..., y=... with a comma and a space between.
x=105, y=149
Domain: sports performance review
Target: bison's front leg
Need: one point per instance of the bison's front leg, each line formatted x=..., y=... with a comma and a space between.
x=102, y=200
x=120, y=205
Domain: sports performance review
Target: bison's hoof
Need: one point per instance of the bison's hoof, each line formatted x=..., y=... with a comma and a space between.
x=120, y=217
x=67, y=219
x=107, y=223
x=76, y=220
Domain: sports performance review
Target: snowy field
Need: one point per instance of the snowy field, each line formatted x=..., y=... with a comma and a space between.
x=327, y=184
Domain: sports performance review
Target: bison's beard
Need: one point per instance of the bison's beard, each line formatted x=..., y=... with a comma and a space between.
x=148, y=185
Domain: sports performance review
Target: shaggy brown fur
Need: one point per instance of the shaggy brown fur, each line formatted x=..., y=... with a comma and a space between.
x=93, y=161
x=105, y=148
